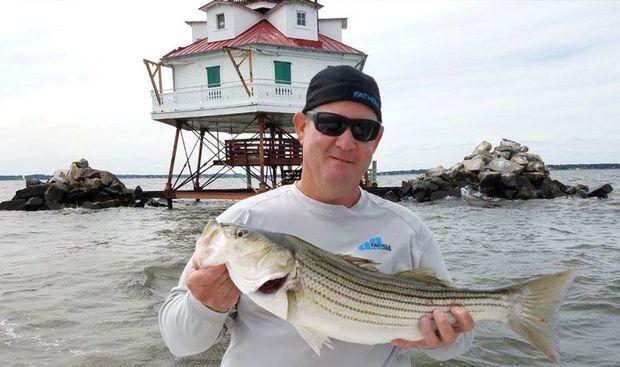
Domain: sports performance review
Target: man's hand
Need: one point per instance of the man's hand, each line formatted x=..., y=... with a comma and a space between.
x=213, y=287
x=444, y=334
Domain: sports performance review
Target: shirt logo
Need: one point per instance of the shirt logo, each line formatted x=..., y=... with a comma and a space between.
x=374, y=243
x=366, y=97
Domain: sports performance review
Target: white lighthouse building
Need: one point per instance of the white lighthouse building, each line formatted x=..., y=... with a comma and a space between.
x=236, y=87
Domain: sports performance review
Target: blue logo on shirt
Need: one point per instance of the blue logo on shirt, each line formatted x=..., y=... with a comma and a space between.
x=374, y=243
x=366, y=97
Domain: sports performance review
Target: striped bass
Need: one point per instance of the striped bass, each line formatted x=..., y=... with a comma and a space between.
x=330, y=296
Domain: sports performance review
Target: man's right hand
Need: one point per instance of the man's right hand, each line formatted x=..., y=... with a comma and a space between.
x=213, y=287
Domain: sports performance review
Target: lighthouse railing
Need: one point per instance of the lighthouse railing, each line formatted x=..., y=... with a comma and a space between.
x=233, y=94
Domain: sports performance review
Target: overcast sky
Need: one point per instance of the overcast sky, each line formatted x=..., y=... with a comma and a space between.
x=547, y=74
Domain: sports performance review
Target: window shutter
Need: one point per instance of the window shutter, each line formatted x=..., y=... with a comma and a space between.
x=283, y=72
x=213, y=76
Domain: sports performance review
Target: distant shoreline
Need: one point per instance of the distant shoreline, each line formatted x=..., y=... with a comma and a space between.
x=555, y=167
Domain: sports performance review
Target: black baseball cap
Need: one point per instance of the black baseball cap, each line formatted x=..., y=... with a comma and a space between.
x=343, y=83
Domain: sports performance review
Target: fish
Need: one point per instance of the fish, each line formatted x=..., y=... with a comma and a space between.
x=325, y=295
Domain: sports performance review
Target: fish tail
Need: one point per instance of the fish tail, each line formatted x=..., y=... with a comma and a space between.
x=535, y=305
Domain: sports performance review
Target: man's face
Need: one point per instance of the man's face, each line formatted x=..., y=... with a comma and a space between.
x=335, y=161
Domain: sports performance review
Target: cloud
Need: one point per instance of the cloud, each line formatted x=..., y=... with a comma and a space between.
x=451, y=73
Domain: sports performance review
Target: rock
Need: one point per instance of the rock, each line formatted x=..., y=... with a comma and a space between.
x=560, y=185
x=504, y=166
x=531, y=157
x=455, y=170
x=549, y=190
x=601, y=192
x=438, y=195
x=533, y=177
x=454, y=192
x=526, y=191
x=473, y=165
x=55, y=192
x=405, y=190
x=32, y=182
x=421, y=196
x=509, y=180
x=92, y=183
x=31, y=191
x=439, y=181
x=108, y=178
x=488, y=178
x=15, y=204
x=33, y=203
x=484, y=147
x=424, y=185
x=52, y=205
x=519, y=159
x=77, y=195
x=436, y=171
x=392, y=196
x=535, y=167
x=157, y=203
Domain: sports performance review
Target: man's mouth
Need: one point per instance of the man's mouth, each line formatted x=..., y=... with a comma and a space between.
x=341, y=159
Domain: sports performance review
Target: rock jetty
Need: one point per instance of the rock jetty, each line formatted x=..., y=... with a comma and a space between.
x=80, y=186
x=508, y=171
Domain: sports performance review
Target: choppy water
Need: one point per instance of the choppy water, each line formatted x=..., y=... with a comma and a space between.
x=82, y=288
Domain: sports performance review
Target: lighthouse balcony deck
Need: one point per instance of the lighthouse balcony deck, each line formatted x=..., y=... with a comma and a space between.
x=229, y=99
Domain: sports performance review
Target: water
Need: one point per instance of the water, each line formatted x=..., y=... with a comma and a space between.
x=82, y=288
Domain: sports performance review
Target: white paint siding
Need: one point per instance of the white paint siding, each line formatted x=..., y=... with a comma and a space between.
x=228, y=32
x=199, y=30
x=278, y=17
x=304, y=65
x=332, y=28
x=309, y=32
x=244, y=19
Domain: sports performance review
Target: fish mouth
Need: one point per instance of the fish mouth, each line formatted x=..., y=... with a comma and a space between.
x=273, y=285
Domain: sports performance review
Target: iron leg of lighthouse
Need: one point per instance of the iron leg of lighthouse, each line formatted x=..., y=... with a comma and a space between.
x=168, y=187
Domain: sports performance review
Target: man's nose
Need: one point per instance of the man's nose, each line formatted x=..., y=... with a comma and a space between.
x=346, y=141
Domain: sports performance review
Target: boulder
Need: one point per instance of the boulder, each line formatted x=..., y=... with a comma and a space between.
x=473, y=165
x=15, y=204
x=504, y=166
x=519, y=159
x=405, y=189
x=526, y=191
x=549, y=190
x=484, y=147
x=535, y=167
x=32, y=182
x=509, y=180
x=488, y=178
x=439, y=181
x=56, y=192
x=534, y=177
x=31, y=191
x=601, y=192
x=33, y=203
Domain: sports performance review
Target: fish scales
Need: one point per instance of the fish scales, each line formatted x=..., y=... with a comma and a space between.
x=333, y=285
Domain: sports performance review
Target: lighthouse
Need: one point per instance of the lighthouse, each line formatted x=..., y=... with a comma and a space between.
x=235, y=89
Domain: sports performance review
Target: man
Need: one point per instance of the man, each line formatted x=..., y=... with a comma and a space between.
x=339, y=129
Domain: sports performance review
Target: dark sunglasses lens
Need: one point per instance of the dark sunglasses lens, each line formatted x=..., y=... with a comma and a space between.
x=331, y=125
x=365, y=130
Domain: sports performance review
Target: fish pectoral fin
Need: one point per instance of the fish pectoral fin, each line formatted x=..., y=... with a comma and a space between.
x=360, y=261
x=426, y=275
x=314, y=338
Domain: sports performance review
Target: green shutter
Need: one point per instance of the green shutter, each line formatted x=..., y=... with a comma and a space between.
x=283, y=72
x=213, y=76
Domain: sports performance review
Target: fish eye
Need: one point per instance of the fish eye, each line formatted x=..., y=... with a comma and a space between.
x=241, y=233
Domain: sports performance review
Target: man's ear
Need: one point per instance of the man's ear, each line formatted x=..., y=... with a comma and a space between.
x=377, y=140
x=300, y=121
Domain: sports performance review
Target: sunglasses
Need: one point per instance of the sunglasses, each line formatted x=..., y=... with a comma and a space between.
x=334, y=125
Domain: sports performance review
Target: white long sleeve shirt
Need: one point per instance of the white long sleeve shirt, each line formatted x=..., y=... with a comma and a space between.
x=374, y=228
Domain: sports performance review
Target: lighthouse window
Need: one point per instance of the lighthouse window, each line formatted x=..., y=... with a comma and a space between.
x=301, y=18
x=221, y=22
x=283, y=72
x=213, y=76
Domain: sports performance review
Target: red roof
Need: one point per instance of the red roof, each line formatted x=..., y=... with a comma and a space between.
x=265, y=33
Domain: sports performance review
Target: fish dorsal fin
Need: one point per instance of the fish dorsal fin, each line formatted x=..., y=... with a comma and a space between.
x=314, y=338
x=426, y=275
x=360, y=261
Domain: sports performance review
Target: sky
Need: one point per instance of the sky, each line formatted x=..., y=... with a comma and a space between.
x=452, y=74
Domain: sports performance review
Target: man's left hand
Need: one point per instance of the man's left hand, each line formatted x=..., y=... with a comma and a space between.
x=444, y=333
